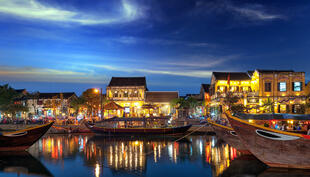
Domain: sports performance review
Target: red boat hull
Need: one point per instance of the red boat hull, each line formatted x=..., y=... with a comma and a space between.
x=22, y=139
x=273, y=147
x=139, y=131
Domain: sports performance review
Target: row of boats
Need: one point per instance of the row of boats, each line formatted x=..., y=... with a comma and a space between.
x=276, y=148
x=22, y=139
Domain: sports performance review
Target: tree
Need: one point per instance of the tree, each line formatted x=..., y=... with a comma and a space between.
x=192, y=104
x=10, y=101
x=268, y=105
x=230, y=100
x=76, y=103
x=92, y=101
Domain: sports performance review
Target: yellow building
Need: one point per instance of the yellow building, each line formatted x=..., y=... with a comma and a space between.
x=239, y=83
x=283, y=89
x=132, y=94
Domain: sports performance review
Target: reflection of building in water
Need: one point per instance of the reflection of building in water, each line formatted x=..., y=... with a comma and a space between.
x=130, y=156
x=58, y=147
x=126, y=155
x=219, y=156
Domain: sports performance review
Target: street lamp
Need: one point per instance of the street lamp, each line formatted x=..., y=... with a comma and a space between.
x=101, y=107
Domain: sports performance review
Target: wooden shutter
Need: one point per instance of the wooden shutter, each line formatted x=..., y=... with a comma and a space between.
x=292, y=86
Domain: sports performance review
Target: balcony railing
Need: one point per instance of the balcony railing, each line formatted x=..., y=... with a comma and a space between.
x=238, y=94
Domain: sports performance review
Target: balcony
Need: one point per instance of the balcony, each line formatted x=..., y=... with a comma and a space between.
x=254, y=94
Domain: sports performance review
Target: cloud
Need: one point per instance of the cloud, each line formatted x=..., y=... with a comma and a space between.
x=10, y=73
x=157, y=70
x=34, y=10
x=252, y=12
x=256, y=13
x=129, y=40
x=203, y=61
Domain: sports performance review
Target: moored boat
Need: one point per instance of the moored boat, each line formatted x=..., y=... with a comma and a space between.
x=229, y=136
x=273, y=147
x=22, y=164
x=138, y=131
x=22, y=139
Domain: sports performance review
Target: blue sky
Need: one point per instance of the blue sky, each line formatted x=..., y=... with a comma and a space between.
x=72, y=45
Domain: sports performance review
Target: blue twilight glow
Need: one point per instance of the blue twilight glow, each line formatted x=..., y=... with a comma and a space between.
x=56, y=45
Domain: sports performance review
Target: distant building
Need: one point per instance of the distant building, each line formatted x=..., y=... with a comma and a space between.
x=161, y=101
x=50, y=104
x=132, y=94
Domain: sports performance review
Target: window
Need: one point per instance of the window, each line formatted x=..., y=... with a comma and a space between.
x=221, y=89
x=135, y=94
x=115, y=94
x=282, y=86
x=297, y=86
x=268, y=87
x=125, y=94
x=245, y=89
x=234, y=89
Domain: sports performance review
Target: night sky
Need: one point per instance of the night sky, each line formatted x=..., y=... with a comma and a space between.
x=72, y=45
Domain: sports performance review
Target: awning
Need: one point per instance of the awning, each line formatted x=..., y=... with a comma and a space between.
x=112, y=106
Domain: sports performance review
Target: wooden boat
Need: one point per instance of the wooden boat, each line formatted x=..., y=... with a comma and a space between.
x=22, y=139
x=138, y=131
x=229, y=136
x=22, y=163
x=273, y=147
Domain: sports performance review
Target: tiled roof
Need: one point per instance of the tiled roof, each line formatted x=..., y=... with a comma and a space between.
x=233, y=75
x=66, y=95
x=127, y=81
x=161, y=96
x=273, y=71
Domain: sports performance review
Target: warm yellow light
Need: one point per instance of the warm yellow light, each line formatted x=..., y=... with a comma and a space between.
x=222, y=82
x=96, y=90
x=290, y=121
x=234, y=82
x=97, y=170
x=251, y=120
x=136, y=142
x=245, y=82
x=297, y=94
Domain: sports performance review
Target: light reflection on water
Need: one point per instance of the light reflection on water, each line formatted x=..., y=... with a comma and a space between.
x=83, y=155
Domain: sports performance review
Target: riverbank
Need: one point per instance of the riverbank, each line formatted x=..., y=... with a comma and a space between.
x=63, y=129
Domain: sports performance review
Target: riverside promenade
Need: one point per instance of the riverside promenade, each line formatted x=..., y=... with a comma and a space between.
x=81, y=128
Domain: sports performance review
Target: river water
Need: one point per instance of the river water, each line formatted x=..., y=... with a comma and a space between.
x=90, y=155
